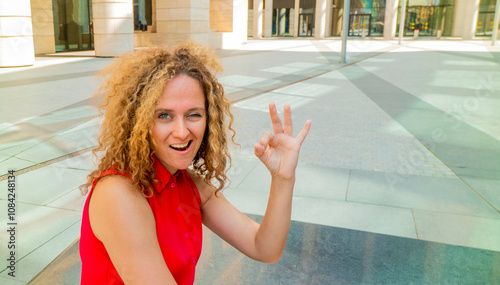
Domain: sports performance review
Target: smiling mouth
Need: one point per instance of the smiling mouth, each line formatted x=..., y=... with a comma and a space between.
x=180, y=147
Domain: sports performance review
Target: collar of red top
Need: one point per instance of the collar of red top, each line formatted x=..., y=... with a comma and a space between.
x=163, y=176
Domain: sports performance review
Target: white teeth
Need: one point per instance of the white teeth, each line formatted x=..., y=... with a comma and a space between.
x=180, y=145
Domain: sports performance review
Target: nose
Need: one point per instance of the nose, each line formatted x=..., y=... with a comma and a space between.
x=180, y=129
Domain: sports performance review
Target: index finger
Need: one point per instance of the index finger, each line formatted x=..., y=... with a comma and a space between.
x=275, y=118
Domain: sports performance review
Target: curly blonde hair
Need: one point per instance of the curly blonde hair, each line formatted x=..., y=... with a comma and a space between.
x=133, y=86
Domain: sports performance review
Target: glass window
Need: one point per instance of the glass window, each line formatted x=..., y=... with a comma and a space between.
x=73, y=25
x=283, y=18
x=306, y=18
x=337, y=11
x=487, y=6
x=142, y=14
x=366, y=15
x=486, y=18
x=428, y=17
x=378, y=18
x=429, y=2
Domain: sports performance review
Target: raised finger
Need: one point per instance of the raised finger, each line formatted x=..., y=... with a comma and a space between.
x=288, y=120
x=303, y=133
x=275, y=118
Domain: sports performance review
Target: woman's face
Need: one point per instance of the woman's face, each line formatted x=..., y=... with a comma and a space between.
x=180, y=122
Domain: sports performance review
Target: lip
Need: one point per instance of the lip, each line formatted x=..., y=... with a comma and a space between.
x=184, y=151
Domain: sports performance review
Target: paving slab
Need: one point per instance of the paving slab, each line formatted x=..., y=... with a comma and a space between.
x=311, y=181
x=440, y=194
x=489, y=189
x=85, y=162
x=44, y=185
x=36, y=225
x=14, y=163
x=449, y=134
x=37, y=260
x=470, y=231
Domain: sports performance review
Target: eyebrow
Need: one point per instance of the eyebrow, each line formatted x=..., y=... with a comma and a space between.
x=189, y=110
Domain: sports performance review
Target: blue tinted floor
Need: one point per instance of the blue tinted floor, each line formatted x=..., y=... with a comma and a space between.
x=316, y=254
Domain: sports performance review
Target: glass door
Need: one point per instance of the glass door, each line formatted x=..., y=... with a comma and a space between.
x=485, y=24
x=306, y=17
x=73, y=25
x=306, y=25
x=358, y=23
x=420, y=19
x=428, y=20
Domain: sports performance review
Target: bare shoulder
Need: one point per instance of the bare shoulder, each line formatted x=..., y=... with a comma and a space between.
x=115, y=185
x=121, y=218
x=115, y=197
x=206, y=191
x=115, y=190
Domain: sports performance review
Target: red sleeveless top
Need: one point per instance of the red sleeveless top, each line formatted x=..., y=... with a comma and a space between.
x=176, y=207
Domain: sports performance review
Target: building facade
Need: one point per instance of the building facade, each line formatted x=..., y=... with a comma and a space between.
x=112, y=27
x=376, y=18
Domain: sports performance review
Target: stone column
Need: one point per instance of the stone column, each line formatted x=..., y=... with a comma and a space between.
x=470, y=19
x=268, y=19
x=391, y=19
x=43, y=26
x=458, y=18
x=222, y=15
x=16, y=34
x=282, y=21
x=257, y=18
x=320, y=19
x=113, y=24
x=328, y=18
x=296, y=19
x=178, y=21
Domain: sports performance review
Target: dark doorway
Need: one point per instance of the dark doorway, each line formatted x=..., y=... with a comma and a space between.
x=358, y=23
x=306, y=25
x=73, y=25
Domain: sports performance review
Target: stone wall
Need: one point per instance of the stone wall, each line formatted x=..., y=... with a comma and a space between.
x=221, y=15
x=42, y=19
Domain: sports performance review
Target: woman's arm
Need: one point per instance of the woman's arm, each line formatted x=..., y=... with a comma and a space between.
x=279, y=151
x=122, y=220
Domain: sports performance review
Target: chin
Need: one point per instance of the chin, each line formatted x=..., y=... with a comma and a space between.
x=183, y=165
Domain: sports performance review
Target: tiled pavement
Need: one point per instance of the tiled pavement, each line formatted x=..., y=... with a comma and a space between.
x=404, y=143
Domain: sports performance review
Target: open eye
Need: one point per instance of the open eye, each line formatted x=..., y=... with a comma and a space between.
x=164, y=116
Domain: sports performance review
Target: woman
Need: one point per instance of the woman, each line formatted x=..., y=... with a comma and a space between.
x=164, y=112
